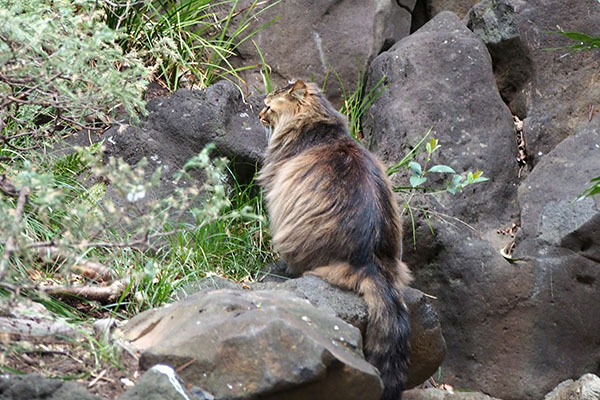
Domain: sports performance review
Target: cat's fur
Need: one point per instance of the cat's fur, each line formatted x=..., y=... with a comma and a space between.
x=333, y=214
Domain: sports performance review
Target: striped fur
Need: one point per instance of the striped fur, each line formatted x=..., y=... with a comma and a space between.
x=333, y=214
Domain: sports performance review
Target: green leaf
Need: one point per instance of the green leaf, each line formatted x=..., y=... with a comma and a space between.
x=417, y=180
x=578, y=36
x=415, y=167
x=480, y=179
x=441, y=168
x=432, y=146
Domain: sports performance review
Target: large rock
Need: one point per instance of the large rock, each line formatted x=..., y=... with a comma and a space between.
x=428, y=347
x=585, y=388
x=553, y=216
x=564, y=83
x=495, y=22
x=514, y=328
x=178, y=127
x=271, y=344
x=427, y=344
x=36, y=387
x=311, y=39
x=441, y=77
x=159, y=383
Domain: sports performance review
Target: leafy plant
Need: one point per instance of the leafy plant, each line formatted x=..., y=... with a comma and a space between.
x=47, y=50
x=186, y=39
x=592, y=190
x=358, y=102
x=586, y=42
x=418, y=178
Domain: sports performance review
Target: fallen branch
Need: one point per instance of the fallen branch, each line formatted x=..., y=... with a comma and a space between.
x=7, y=188
x=90, y=269
x=103, y=294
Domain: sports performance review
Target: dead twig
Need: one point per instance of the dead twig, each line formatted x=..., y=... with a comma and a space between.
x=103, y=294
x=90, y=269
x=184, y=366
x=11, y=243
x=7, y=188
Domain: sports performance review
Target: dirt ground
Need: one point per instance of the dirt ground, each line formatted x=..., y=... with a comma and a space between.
x=32, y=340
x=68, y=359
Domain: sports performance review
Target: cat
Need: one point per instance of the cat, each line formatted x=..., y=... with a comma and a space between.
x=333, y=214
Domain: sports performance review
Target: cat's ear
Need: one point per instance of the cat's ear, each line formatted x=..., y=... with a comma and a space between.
x=298, y=90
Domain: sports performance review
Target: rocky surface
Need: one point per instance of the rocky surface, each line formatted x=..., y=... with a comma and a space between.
x=441, y=77
x=178, y=127
x=495, y=22
x=161, y=383
x=439, y=394
x=585, y=388
x=564, y=83
x=458, y=7
x=311, y=39
x=428, y=347
x=241, y=344
x=36, y=387
x=516, y=327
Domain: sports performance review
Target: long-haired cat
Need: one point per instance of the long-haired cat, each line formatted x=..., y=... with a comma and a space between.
x=333, y=214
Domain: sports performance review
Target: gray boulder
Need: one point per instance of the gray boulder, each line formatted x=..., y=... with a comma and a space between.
x=160, y=383
x=36, y=387
x=441, y=77
x=514, y=327
x=311, y=39
x=495, y=22
x=427, y=344
x=178, y=127
x=563, y=85
x=585, y=388
x=428, y=347
x=553, y=216
x=271, y=344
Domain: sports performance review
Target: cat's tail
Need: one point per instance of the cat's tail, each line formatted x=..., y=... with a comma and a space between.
x=388, y=328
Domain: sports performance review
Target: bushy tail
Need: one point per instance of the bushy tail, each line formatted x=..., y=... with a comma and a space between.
x=386, y=345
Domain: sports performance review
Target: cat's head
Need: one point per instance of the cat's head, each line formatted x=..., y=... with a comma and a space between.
x=284, y=104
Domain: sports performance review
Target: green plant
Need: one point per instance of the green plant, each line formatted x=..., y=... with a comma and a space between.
x=265, y=72
x=358, y=102
x=418, y=178
x=592, y=190
x=186, y=39
x=585, y=42
x=47, y=50
x=419, y=174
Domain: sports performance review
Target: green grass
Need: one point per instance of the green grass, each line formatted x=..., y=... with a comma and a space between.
x=187, y=39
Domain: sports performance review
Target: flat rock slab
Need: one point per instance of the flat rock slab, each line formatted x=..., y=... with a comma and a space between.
x=239, y=344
